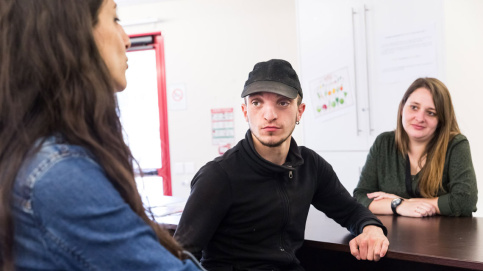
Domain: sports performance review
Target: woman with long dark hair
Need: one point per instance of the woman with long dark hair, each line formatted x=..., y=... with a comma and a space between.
x=68, y=199
x=424, y=167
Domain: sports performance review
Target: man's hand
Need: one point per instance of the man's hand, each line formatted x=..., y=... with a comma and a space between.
x=370, y=245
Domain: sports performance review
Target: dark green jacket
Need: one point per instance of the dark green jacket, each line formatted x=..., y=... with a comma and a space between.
x=385, y=171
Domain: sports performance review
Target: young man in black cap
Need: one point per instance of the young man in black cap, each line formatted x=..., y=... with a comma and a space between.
x=247, y=209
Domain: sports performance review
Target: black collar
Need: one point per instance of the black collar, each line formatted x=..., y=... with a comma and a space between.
x=294, y=157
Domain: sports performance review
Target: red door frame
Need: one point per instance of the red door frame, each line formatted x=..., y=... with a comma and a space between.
x=155, y=42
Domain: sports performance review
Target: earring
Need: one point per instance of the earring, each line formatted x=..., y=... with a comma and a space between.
x=297, y=122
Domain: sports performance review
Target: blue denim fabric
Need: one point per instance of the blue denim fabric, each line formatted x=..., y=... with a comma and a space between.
x=68, y=216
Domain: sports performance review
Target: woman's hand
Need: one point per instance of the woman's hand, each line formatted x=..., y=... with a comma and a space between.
x=415, y=208
x=381, y=195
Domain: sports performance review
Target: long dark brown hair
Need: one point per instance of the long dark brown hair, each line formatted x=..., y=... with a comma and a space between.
x=435, y=152
x=53, y=80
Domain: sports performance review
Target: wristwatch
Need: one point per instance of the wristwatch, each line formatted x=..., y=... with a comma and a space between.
x=395, y=203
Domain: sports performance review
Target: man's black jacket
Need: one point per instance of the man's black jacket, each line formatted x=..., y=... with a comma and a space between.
x=246, y=213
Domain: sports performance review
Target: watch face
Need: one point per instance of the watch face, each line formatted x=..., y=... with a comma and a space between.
x=394, y=204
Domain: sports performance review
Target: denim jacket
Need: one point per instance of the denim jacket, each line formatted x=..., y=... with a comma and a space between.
x=68, y=216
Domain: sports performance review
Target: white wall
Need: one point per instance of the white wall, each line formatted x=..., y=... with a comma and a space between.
x=211, y=46
x=464, y=69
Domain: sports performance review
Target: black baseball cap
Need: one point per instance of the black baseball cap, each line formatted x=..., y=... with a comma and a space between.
x=275, y=76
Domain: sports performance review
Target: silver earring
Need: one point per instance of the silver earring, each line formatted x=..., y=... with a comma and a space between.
x=297, y=122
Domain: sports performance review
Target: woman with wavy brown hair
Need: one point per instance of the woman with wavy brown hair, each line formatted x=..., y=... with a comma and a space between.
x=424, y=168
x=68, y=199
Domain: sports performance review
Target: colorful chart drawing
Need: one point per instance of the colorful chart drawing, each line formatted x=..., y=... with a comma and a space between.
x=331, y=93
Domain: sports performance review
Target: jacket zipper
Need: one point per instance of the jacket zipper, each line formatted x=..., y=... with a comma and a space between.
x=286, y=204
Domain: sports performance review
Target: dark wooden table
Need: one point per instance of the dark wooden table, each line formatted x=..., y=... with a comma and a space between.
x=434, y=243
x=430, y=244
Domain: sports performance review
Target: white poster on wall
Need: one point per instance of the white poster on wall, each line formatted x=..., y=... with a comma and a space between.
x=407, y=54
x=331, y=94
x=223, y=127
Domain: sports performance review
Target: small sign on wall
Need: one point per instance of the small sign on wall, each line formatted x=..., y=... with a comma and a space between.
x=176, y=97
x=223, y=127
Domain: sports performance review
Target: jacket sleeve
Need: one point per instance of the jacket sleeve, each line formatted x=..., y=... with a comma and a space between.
x=368, y=181
x=462, y=188
x=86, y=225
x=207, y=205
x=334, y=200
